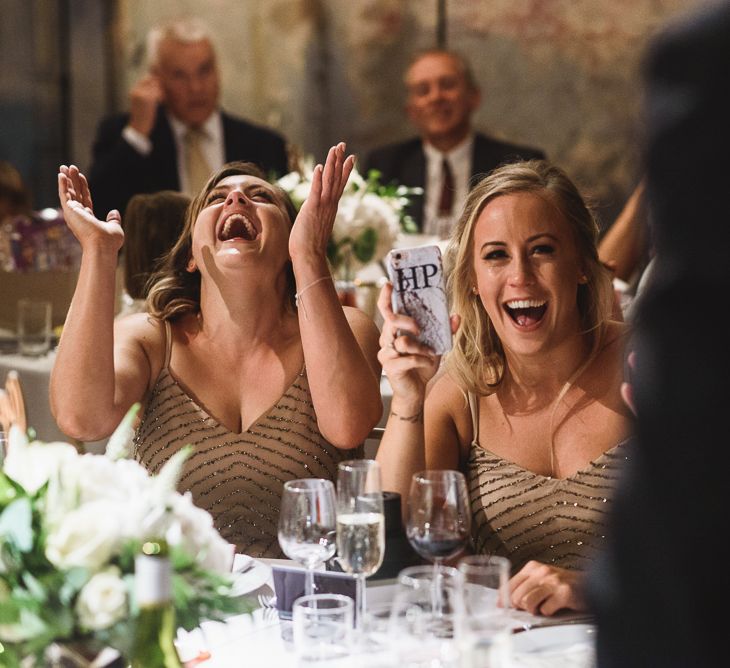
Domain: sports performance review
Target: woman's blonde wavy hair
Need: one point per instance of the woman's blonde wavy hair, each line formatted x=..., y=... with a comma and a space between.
x=477, y=360
x=173, y=291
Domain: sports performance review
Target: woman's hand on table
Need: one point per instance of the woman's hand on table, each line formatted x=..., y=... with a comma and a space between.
x=78, y=212
x=544, y=590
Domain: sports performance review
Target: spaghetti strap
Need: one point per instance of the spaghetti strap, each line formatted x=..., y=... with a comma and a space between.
x=474, y=410
x=168, y=343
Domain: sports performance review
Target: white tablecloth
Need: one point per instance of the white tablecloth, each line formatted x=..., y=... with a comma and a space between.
x=261, y=639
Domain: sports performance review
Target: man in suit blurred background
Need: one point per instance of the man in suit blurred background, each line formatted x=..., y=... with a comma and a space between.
x=175, y=133
x=442, y=95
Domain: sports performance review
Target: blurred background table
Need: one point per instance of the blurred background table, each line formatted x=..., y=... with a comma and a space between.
x=35, y=376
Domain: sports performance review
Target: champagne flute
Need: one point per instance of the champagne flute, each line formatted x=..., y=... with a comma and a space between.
x=360, y=524
x=307, y=524
x=439, y=518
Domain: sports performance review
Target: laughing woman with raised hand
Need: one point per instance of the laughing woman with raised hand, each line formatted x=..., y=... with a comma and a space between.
x=245, y=351
x=528, y=405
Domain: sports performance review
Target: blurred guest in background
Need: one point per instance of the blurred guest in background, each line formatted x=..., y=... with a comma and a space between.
x=662, y=592
x=442, y=95
x=152, y=224
x=39, y=256
x=175, y=134
x=14, y=195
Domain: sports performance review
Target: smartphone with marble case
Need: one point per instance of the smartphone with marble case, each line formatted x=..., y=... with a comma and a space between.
x=419, y=290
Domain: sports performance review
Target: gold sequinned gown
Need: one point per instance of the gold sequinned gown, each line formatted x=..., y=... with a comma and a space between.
x=238, y=478
x=522, y=515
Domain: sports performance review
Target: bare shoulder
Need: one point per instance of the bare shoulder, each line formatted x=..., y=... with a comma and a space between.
x=359, y=322
x=614, y=344
x=617, y=333
x=604, y=377
x=447, y=413
x=140, y=327
x=139, y=340
x=444, y=391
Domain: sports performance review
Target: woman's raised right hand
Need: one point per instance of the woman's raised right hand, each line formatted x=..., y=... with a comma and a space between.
x=78, y=212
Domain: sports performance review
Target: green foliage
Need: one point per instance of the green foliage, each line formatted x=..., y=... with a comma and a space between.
x=38, y=601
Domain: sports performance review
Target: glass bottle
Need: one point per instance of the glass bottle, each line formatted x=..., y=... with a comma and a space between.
x=155, y=627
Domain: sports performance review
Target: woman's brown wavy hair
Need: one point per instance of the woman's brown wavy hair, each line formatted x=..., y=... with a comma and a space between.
x=173, y=291
x=477, y=360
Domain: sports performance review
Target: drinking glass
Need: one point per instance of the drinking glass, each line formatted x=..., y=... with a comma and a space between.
x=426, y=607
x=322, y=628
x=483, y=626
x=307, y=524
x=34, y=327
x=360, y=524
x=439, y=519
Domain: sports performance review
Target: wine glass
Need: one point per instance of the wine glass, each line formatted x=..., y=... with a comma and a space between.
x=439, y=518
x=484, y=623
x=307, y=524
x=424, y=613
x=360, y=524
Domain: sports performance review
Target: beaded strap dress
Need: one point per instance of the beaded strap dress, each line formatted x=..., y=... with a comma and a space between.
x=523, y=515
x=238, y=478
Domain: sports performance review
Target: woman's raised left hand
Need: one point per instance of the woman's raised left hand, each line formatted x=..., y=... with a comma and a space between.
x=313, y=226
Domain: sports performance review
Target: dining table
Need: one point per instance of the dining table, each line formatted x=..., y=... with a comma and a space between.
x=262, y=638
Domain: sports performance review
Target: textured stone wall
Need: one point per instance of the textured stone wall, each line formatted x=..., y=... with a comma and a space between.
x=560, y=74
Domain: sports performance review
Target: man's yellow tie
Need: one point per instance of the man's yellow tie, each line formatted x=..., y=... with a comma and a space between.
x=198, y=169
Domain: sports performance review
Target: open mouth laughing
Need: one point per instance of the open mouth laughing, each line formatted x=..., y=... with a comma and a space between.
x=238, y=226
x=526, y=312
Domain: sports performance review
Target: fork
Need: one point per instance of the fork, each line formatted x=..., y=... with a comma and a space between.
x=267, y=602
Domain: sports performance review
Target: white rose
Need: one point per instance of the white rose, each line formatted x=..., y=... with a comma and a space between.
x=193, y=530
x=86, y=537
x=367, y=210
x=91, y=478
x=32, y=464
x=103, y=600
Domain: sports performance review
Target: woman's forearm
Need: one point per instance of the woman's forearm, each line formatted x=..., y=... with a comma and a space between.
x=82, y=381
x=343, y=376
x=401, y=452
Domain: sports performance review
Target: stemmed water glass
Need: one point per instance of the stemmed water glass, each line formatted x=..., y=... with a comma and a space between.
x=307, y=524
x=439, y=519
x=360, y=524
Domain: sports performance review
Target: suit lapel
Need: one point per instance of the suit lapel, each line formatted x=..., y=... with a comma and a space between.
x=163, y=147
x=414, y=175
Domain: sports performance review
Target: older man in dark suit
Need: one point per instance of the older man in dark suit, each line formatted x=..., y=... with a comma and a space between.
x=447, y=154
x=175, y=134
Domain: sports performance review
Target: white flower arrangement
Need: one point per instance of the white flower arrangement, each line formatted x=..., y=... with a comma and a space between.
x=369, y=219
x=70, y=527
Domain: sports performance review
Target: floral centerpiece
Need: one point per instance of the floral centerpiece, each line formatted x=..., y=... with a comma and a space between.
x=369, y=218
x=70, y=527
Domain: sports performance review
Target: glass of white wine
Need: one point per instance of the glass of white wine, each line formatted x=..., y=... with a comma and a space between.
x=307, y=524
x=360, y=524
